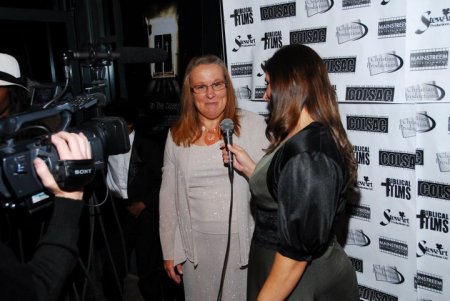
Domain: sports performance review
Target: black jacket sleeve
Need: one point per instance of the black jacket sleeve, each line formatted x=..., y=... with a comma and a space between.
x=43, y=277
x=308, y=197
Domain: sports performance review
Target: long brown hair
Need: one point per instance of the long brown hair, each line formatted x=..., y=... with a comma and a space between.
x=299, y=79
x=187, y=129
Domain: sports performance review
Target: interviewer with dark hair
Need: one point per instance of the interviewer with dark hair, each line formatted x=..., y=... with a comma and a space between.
x=44, y=276
x=299, y=186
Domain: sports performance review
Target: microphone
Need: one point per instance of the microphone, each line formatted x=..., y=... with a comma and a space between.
x=227, y=127
x=129, y=55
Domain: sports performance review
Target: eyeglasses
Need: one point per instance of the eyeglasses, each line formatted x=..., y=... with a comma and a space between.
x=202, y=89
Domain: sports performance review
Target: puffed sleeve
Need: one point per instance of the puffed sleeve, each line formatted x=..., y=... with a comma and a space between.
x=168, y=225
x=308, y=193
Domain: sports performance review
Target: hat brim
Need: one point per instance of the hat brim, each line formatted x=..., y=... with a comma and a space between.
x=8, y=83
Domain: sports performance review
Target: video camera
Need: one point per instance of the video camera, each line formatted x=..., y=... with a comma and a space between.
x=19, y=183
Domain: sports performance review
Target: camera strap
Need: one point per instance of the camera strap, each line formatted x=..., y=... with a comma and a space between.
x=74, y=174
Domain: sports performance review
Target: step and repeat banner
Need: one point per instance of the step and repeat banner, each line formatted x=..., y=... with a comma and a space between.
x=388, y=60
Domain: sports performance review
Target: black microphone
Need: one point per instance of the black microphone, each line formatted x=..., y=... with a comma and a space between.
x=128, y=55
x=227, y=127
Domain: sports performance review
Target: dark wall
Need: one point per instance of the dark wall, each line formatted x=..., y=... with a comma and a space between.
x=38, y=45
x=199, y=33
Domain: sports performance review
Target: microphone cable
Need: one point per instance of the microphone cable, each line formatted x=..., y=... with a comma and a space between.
x=227, y=251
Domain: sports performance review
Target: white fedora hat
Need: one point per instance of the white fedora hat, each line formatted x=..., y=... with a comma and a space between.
x=10, y=71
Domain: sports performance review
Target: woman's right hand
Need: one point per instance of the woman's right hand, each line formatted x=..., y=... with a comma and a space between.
x=241, y=161
x=174, y=272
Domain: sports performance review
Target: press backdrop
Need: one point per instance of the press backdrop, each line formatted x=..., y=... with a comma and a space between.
x=388, y=61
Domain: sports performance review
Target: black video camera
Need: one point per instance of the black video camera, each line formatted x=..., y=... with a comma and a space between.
x=19, y=184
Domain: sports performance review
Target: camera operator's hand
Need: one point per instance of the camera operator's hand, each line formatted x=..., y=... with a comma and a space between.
x=70, y=146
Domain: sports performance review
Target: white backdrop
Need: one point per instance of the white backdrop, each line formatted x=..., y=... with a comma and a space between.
x=388, y=60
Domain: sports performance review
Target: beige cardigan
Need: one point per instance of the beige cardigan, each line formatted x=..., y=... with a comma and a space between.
x=175, y=224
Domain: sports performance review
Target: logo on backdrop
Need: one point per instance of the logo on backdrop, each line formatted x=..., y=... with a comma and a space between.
x=433, y=220
x=362, y=154
x=308, y=36
x=392, y=27
x=367, y=124
x=371, y=294
x=393, y=246
x=397, y=159
x=421, y=123
x=361, y=212
x=369, y=93
x=284, y=10
x=385, y=2
x=248, y=41
x=434, y=20
x=357, y=237
x=399, y=218
x=357, y=263
x=351, y=31
x=314, y=7
x=388, y=274
x=397, y=188
x=259, y=92
x=384, y=63
x=443, y=161
x=261, y=71
x=428, y=282
x=419, y=157
x=424, y=123
x=429, y=59
x=243, y=92
x=241, y=69
x=365, y=183
x=242, y=16
x=341, y=64
x=433, y=190
x=427, y=91
x=348, y=4
x=436, y=250
x=272, y=39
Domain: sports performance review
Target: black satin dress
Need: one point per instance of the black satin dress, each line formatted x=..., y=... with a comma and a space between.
x=298, y=194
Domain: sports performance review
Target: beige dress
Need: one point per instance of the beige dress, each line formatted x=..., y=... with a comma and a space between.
x=194, y=206
x=209, y=204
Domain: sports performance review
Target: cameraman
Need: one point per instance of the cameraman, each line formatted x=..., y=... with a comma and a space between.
x=43, y=277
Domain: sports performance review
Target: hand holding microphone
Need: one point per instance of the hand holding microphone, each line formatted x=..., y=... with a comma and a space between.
x=235, y=156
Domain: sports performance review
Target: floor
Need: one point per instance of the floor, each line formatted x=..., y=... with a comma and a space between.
x=131, y=289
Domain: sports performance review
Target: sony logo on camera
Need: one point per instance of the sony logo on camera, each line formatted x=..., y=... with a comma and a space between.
x=83, y=171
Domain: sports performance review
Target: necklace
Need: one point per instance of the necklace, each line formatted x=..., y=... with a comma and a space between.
x=211, y=136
